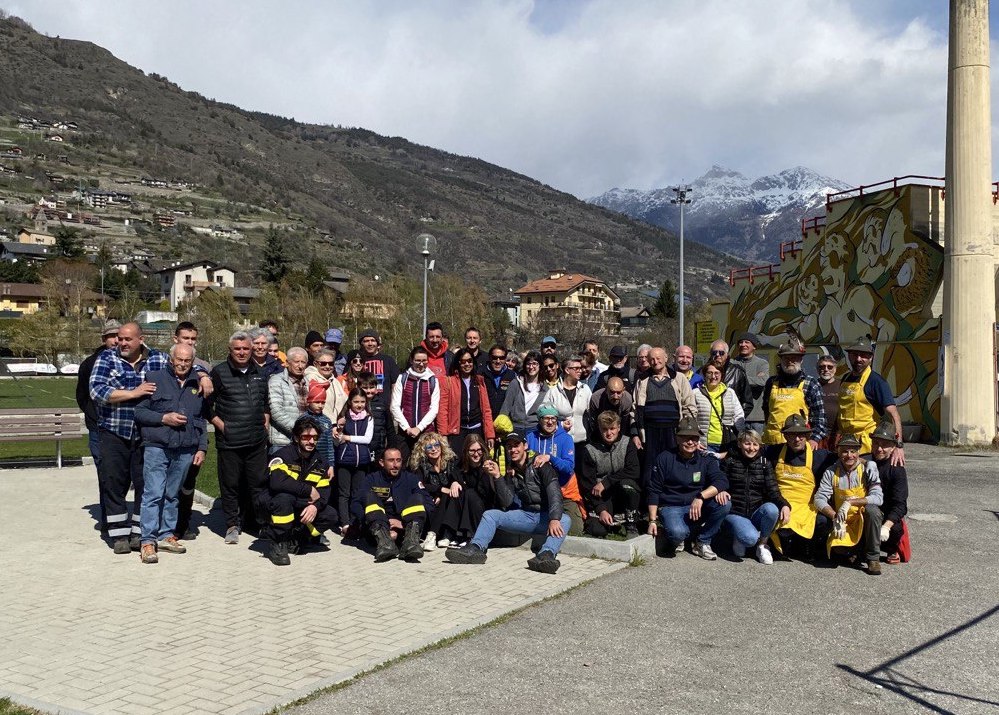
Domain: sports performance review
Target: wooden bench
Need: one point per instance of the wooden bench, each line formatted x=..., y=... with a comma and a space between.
x=41, y=424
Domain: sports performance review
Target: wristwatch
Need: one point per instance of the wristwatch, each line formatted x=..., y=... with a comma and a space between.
x=899, y=443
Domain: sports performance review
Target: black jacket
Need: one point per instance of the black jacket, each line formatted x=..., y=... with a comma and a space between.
x=751, y=483
x=239, y=400
x=83, y=399
x=291, y=473
x=433, y=481
x=895, y=485
x=535, y=490
x=496, y=389
x=627, y=375
x=735, y=378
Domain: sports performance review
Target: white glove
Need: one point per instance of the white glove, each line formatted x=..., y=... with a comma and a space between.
x=839, y=528
x=844, y=509
x=885, y=531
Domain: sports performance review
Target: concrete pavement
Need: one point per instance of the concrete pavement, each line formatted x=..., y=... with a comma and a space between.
x=219, y=629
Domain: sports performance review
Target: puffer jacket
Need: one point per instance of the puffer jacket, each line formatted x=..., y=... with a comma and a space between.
x=576, y=411
x=731, y=414
x=536, y=490
x=283, y=401
x=751, y=482
x=240, y=401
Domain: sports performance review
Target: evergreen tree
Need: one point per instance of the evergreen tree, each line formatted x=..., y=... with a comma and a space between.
x=67, y=243
x=666, y=306
x=274, y=264
x=315, y=274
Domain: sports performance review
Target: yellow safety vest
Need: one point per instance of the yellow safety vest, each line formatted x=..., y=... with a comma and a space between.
x=797, y=486
x=856, y=413
x=842, y=490
x=784, y=402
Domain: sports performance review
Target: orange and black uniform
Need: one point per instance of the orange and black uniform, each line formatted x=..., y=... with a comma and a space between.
x=291, y=480
x=381, y=497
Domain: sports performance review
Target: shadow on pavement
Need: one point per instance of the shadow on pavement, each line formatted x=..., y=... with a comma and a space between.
x=888, y=675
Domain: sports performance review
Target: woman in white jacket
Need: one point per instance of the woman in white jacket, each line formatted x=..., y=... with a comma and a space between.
x=718, y=408
x=571, y=398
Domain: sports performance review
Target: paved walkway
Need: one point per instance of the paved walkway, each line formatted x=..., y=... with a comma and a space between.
x=219, y=629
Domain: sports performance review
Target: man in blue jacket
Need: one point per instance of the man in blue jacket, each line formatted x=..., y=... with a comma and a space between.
x=682, y=490
x=173, y=422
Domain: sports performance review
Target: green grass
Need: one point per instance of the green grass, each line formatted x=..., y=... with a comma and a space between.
x=8, y=707
x=24, y=392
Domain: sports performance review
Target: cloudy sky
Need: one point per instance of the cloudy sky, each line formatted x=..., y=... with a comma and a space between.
x=584, y=96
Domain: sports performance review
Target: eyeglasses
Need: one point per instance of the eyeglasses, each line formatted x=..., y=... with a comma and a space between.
x=431, y=446
x=324, y=364
x=546, y=418
x=574, y=367
x=475, y=450
x=827, y=367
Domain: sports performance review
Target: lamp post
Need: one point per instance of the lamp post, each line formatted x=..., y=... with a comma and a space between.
x=681, y=198
x=427, y=239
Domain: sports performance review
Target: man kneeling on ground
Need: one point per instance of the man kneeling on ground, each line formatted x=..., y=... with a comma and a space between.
x=299, y=493
x=609, y=471
x=391, y=502
x=530, y=503
x=682, y=489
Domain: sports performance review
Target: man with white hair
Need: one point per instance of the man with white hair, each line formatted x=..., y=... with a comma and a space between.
x=241, y=418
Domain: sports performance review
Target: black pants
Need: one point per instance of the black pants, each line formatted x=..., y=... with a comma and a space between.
x=894, y=536
x=243, y=486
x=457, y=441
x=798, y=546
x=348, y=478
x=121, y=468
x=285, y=525
x=624, y=495
x=186, y=501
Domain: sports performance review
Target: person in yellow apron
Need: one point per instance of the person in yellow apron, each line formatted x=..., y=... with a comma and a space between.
x=792, y=392
x=863, y=396
x=850, y=495
x=797, y=467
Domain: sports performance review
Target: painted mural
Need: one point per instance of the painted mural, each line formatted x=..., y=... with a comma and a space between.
x=871, y=270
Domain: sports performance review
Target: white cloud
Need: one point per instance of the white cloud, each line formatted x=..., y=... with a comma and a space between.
x=634, y=94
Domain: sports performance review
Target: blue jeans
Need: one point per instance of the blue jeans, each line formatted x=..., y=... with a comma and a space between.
x=163, y=471
x=521, y=522
x=676, y=520
x=760, y=525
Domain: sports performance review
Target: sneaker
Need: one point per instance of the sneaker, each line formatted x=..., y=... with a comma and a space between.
x=703, y=550
x=189, y=535
x=279, y=554
x=893, y=559
x=171, y=545
x=324, y=541
x=544, y=562
x=121, y=546
x=678, y=549
x=430, y=543
x=738, y=549
x=148, y=555
x=232, y=535
x=873, y=568
x=444, y=543
x=470, y=554
x=135, y=542
x=763, y=555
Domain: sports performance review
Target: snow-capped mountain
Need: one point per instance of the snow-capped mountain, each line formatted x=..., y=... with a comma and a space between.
x=731, y=212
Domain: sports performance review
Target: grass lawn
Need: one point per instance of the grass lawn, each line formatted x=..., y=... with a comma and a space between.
x=25, y=392
x=7, y=707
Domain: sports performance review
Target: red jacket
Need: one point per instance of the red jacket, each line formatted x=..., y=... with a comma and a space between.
x=449, y=411
x=439, y=362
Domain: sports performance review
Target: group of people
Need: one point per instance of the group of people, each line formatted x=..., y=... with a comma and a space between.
x=464, y=442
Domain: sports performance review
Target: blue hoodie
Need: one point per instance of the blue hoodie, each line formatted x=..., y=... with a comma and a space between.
x=561, y=448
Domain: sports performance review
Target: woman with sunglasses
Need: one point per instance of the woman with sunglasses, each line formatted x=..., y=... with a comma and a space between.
x=464, y=406
x=322, y=370
x=355, y=366
x=437, y=467
x=463, y=503
x=525, y=395
x=550, y=371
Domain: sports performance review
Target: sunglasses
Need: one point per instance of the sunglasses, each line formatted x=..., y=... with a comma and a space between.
x=715, y=353
x=357, y=360
x=307, y=438
x=431, y=446
x=497, y=358
x=324, y=364
x=466, y=361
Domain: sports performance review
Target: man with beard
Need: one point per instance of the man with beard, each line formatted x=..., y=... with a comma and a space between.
x=895, y=485
x=864, y=396
x=791, y=392
x=438, y=355
x=757, y=372
x=826, y=370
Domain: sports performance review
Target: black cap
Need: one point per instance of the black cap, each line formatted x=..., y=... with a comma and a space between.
x=514, y=437
x=751, y=337
x=369, y=333
x=618, y=351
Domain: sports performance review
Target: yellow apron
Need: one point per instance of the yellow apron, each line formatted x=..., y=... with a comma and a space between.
x=855, y=517
x=797, y=486
x=856, y=414
x=784, y=402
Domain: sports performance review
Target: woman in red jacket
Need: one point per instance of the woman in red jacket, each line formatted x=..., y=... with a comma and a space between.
x=464, y=404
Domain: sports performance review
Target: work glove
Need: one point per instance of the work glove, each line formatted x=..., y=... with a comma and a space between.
x=885, y=531
x=839, y=527
x=844, y=509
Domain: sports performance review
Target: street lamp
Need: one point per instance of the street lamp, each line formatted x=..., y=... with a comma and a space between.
x=428, y=266
x=681, y=198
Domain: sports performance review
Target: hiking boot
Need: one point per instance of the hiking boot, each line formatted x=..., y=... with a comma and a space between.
x=430, y=543
x=703, y=550
x=148, y=555
x=232, y=535
x=631, y=523
x=121, y=546
x=873, y=568
x=411, y=549
x=544, y=562
x=468, y=554
x=324, y=540
x=385, y=548
x=135, y=542
x=279, y=554
x=171, y=545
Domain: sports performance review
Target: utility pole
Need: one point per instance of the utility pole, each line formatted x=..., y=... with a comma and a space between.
x=427, y=267
x=968, y=413
x=681, y=198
